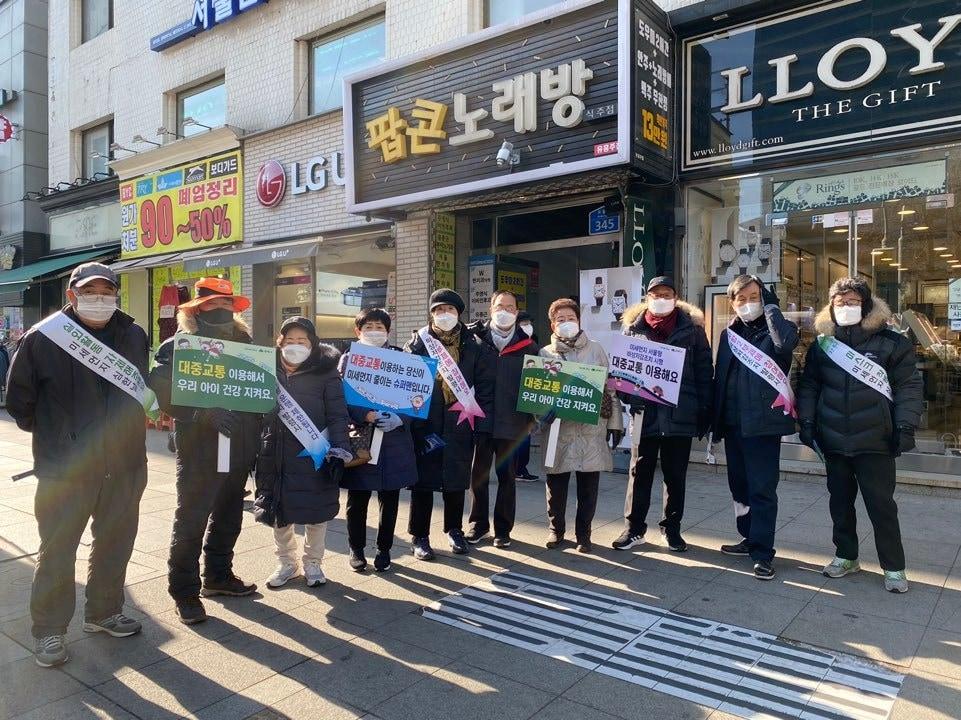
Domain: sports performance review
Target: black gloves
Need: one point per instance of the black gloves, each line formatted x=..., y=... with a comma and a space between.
x=336, y=468
x=223, y=421
x=768, y=296
x=903, y=439
x=807, y=434
x=614, y=437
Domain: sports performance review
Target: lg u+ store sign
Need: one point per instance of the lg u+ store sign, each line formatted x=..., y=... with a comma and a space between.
x=822, y=78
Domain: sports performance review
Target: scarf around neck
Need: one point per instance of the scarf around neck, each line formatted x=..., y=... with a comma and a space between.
x=501, y=338
x=450, y=339
x=661, y=327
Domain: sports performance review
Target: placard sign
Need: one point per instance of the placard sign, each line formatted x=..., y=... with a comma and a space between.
x=214, y=373
x=573, y=391
x=651, y=370
x=389, y=380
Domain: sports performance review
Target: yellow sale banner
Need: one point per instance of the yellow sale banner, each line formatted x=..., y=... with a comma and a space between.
x=182, y=208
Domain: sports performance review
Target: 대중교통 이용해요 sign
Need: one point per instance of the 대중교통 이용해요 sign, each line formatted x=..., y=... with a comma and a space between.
x=651, y=370
x=572, y=390
x=214, y=373
x=389, y=380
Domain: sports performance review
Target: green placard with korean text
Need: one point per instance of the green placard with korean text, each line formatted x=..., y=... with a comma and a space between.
x=573, y=391
x=214, y=373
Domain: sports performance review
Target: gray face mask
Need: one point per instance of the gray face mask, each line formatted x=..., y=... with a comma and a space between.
x=96, y=308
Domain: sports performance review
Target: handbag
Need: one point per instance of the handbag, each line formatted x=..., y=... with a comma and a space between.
x=360, y=437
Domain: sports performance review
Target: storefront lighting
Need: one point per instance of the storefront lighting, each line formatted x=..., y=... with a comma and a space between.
x=940, y=248
x=142, y=139
x=879, y=251
x=945, y=255
x=905, y=211
x=887, y=259
x=840, y=230
x=895, y=264
x=920, y=227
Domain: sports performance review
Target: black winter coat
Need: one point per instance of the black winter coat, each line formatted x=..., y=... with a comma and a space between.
x=776, y=337
x=850, y=417
x=197, y=438
x=508, y=424
x=82, y=425
x=396, y=467
x=448, y=468
x=289, y=490
x=694, y=403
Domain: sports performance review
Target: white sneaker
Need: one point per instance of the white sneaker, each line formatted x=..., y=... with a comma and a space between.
x=314, y=575
x=283, y=573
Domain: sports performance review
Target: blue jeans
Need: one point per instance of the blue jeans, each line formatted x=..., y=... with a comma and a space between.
x=753, y=470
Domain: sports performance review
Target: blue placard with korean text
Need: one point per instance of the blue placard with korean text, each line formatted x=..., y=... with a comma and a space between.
x=389, y=380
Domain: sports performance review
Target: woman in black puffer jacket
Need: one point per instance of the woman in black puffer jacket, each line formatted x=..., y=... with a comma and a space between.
x=289, y=489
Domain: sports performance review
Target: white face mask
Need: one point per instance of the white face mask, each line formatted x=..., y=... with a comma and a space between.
x=295, y=354
x=374, y=338
x=661, y=306
x=96, y=308
x=847, y=315
x=504, y=319
x=445, y=321
x=568, y=329
x=528, y=329
x=749, y=311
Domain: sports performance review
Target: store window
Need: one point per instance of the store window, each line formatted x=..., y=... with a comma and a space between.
x=334, y=56
x=96, y=17
x=502, y=11
x=95, y=148
x=893, y=220
x=201, y=108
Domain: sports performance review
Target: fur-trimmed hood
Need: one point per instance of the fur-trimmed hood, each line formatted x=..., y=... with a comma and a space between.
x=636, y=311
x=187, y=323
x=873, y=322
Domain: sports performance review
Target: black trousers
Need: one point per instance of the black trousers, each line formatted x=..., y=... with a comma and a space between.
x=675, y=452
x=210, y=509
x=357, y=502
x=753, y=471
x=422, y=506
x=523, y=456
x=62, y=508
x=486, y=450
x=875, y=475
x=557, y=484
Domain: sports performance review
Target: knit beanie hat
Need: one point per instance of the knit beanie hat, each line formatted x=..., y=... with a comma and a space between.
x=446, y=296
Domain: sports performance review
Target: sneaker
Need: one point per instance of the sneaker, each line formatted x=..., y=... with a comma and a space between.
x=895, y=581
x=839, y=567
x=232, y=586
x=584, y=547
x=627, y=540
x=526, y=477
x=382, y=561
x=553, y=539
x=50, y=651
x=502, y=542
x=474, y=536
x=118, y=625
x=283, y=573
x=191, y=611
x=763, y=571
x=421, y=549
x=313, y=574
x=675, y=542
x=357, y=561
x=458, y=544
x=740, y=549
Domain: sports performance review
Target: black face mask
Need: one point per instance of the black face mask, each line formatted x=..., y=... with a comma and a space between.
x=219, y=316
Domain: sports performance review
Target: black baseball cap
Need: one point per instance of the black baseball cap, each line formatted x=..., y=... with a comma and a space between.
x=82, y=274
x=661, y=280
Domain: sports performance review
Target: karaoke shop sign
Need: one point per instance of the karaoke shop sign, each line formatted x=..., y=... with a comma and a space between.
x=837, y=77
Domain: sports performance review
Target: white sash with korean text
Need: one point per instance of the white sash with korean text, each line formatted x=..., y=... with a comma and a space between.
x=70, y=336
x=762, y=365
x=450, y=372
x=316, y=445
x=856, y=365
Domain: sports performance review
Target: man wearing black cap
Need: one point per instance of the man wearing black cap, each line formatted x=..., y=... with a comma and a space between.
x=666, y=431
x=89, y=455
x=446, y=439
x=859, y=400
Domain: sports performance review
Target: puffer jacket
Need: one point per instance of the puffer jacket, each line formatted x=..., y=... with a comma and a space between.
x=582, y=447
x=851, y=418
x=696, y=397
x=289, y=489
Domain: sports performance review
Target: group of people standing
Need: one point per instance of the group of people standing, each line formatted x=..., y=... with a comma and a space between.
x=90, y=458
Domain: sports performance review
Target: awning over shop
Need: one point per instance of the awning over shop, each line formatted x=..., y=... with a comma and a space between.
x=255, y=255
x=19, y=279
x=154, y=261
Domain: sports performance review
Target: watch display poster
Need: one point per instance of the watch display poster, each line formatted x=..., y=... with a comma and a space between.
x=604, y=296
x=743, y=247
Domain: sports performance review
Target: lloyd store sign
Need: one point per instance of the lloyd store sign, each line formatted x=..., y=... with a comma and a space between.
x=301, y=177
x=822, y=78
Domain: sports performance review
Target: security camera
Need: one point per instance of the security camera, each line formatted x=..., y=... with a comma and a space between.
x=506, y=156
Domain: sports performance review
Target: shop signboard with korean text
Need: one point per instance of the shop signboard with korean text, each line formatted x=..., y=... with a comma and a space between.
x=571, y=390
x=508, y=105
x=444, y=235
x=214, y=373
x=838, y=77
x=652, y=49
x=191, y=206
x=650, y=370
x=389, y=380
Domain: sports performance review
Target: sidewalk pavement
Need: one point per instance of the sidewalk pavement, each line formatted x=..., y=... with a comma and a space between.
x=359, y=648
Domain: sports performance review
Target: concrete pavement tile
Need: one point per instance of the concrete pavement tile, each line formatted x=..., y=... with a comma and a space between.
x=445, y=640
x=27, y=686
x=461, y=691
x=647, y=586
x=864, y=593
x=368, y=670
x=947, y=613
x=11, y=651
x=857, y=633
x=927, y=697
x=561, y=709
x=920, y=551
x=16, y=578
x=310, y=704
x=755, y=608
x=9, y=516
x=19, y=540
x=361, y=607
x=795, y=579
x=939, y=654
x=224, y=615
x=630, y=701
x=82, y=706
